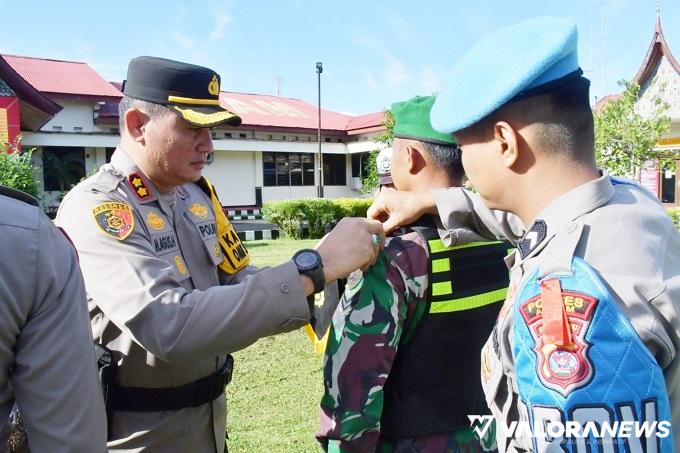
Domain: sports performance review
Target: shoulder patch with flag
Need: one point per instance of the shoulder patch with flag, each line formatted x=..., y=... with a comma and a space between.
x=115, y=219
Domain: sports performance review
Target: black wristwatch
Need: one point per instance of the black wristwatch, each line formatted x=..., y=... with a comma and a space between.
x=308, y=262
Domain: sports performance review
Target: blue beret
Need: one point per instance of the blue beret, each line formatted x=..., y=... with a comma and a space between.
x=506, y=64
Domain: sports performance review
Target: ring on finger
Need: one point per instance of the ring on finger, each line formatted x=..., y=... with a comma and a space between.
x=376, y=239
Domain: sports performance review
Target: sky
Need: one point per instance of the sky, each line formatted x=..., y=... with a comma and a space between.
x=374, y=52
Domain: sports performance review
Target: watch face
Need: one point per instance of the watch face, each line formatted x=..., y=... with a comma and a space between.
x=306, y=260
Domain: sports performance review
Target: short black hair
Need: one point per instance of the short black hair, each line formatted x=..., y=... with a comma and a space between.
x=446, y=158
x=563, y=114
x=150, y=108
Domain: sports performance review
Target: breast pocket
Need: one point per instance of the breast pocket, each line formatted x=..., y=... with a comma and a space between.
x=164, y=241
x=204, y=222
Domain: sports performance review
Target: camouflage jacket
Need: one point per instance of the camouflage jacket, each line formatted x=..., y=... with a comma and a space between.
x=375, y=310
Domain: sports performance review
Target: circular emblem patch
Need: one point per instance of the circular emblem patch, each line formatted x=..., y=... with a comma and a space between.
x=563, y=364
x=114, y=219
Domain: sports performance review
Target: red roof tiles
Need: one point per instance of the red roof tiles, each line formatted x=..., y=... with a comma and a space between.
x=56, y=77
x=366, y=123
x=276, y=111
x=61, y=77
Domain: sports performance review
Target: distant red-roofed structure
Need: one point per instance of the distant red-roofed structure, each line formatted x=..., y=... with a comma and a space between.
x=601, y=103
x=57, y=77
x=658, y=49
x=659, y=68
x=22, y=106
x=272, y=155
x=281, y=112
x=372, y=122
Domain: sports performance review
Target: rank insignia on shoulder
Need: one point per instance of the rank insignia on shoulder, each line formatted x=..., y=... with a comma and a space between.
x=532, y=238
x=155, y=221
x=199, y=210
x=115, y=219
x=139, y=186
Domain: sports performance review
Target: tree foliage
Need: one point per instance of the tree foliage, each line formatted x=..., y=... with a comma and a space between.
x=370, y=179
x=625, y=139
x=17, y=170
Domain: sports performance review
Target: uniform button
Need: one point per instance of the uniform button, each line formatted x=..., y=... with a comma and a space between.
x=284, y=288
x=571, y=227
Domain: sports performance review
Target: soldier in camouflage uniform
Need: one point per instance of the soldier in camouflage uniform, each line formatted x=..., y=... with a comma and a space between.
x=401, y=369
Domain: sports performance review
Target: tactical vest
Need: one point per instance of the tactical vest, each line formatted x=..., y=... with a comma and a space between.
x=435, y=380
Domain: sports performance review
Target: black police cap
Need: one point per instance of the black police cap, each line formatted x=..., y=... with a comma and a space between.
x=191, y=91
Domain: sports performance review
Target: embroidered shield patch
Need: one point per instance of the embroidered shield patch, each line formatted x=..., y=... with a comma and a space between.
x=562, y=369
x=114, y=219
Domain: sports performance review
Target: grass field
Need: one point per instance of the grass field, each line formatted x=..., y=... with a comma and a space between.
x=274, y=396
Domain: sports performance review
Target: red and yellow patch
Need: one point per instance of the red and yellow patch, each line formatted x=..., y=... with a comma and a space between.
x=115, y=219
x=562, y=365
x=139, y=186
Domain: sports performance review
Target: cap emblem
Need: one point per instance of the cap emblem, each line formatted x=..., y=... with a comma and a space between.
x=214, y=86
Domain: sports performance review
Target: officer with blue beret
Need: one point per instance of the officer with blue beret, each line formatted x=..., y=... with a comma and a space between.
x=171, y=292
x=589, y=334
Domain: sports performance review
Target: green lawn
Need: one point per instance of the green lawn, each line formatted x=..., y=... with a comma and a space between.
x=274, y=396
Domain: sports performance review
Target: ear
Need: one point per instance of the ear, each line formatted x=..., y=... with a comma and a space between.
x=507, y=141
x=135, y=124
x=415, y=160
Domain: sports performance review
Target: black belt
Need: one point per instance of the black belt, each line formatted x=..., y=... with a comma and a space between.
x=197, y=393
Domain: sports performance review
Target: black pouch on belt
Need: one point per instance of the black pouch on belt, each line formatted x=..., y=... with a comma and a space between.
x=108, y=378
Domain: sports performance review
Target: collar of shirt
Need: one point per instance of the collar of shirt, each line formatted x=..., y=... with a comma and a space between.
x=167, y=201
x=568, y=207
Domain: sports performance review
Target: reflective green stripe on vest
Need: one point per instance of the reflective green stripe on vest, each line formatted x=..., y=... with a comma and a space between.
x=441, y=257
x=468, y=303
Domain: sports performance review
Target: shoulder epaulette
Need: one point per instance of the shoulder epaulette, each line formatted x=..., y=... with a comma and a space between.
x=107, y=179
x=18, y=195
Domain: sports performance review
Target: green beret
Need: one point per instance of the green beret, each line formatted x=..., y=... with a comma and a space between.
x=412, y=121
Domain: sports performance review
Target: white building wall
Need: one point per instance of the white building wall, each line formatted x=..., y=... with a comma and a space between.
x=66, y=139
x=287, y=192
x=76, y=116
x=233, y=173
x=663, y=81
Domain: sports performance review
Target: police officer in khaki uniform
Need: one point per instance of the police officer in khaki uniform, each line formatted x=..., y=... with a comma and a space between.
x=46, y=354
x=589, y=333
x=169, y=286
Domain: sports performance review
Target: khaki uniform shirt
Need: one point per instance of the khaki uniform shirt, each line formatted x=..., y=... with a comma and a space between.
x=157, y=300
x=46, y=354
x=623, y=234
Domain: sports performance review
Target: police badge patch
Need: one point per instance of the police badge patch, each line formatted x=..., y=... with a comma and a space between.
x=115, y=219
x=566, y=368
